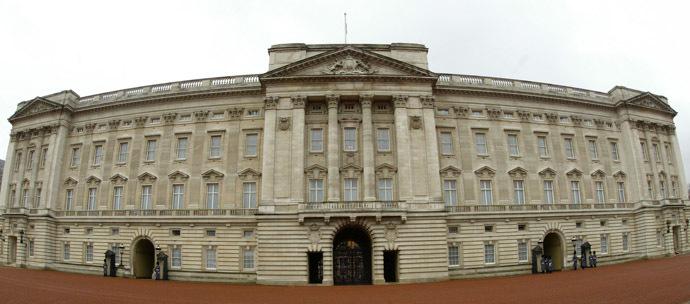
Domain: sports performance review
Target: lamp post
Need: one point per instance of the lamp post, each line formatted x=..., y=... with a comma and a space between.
x=668, y=226
x=2, y=238
x=541, y=243
x=21, y=236
x=122, y=250
x=687, y=223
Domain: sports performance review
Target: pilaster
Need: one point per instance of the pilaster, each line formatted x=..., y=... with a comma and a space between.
x=432, y=155
x=297, y=174
x=402, y=138
x=267, y=167
x=369, y=180
x=333, y=149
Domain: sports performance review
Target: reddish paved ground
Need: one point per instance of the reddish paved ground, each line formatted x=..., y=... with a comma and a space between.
x=656, y=281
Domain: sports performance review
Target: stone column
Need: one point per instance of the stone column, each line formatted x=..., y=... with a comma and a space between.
x=297, y=174
x=267, y=167
x=402, y=139
x=42, y=133
x=636, y=182
x=432, y=161
x=369, y=180
x=5, y=197
x=56, y=167
x=333, y=149
x=678, y=163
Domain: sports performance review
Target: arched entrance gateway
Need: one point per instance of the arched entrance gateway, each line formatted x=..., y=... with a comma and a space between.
x=144, y=259
x=553, y=247
x=351, y=257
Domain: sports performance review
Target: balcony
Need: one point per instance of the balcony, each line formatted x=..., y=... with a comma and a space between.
x=540, y=207
x=156, y=213
x=352, y=209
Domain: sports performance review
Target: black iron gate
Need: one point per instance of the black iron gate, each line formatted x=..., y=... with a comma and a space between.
x=349, y=264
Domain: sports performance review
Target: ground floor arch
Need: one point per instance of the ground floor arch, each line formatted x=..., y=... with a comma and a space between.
x=352, y=257
x=144, y=259
x=553, y=248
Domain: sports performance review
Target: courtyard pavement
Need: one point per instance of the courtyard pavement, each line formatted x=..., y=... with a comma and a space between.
x=665, y=280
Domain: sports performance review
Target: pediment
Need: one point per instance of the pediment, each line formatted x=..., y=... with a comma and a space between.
x=574, y=173
x=385, y=170
x=650, y=101
x=348, y=62
x=93, y=180
x=212, y=174
x=518, y=172
x=178, y=175
x=598, y=174
x=351, y=170
x=450, y=171
x=70, y=181
x=485, y=172
x=548, y=173
x=118, y=178
x=249, y=173
x=35, y=106
x=146, y=177
x=619, y=175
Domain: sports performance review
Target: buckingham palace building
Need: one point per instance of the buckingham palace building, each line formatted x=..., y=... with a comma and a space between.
x=342, y=164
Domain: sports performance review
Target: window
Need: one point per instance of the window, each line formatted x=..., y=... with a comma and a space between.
x=25, y=198
x=575, y=188
x=32, y=246
x=248, y=233
x=537, y=117
x=249, y=195
x=316, y=140
x=351, y=189
x=38, y=198
x=117, y=198
x=650, y=189
x=625, y=242
x=522, y=251
x=644, y=150
x=211, y=233
x=548, y=192
x=588, y=122
x=655, y=148
x=122, y=155
x=181, y=147
x=674, y=189
x=92, y=199
x=14, y=197
x=124, y=124
x=151, y=150
x=602, y=223
x=600, y=191
x=176, y=257
x=211, y=196
x=187, y=117
x=485, y=188
x=67, y=230
x=578, y=225
x=44, y=155
x=30, y=159
x=215, y=146
x=662, y=188
x=178, y=197
x=658, y=238
x=75, y=157
x=97, y=155
x=450, y=189
x=621, y=192
x=211, y=258
x=508, y=115
x=350, y=138
x=349, y=106
x=252, y=142
x=477, y=113
x=442, y=112
x=453, y=256
x=481, y=144
x=19, y=161
x=116, y=251
x=316, y=190
x=89, y=253
x=155, y=120
x=218, y=115
x=115, y=231
x=519, y=190
x=146, y=197
x=522, y=227
x=489, y=254
x=569, y=152
x=593, y=149
x=668, y=152
x=252, y=112
x=386, y=189
x=452, y=230
x=65, y=251
x=68, y=200
x=488, y=228
x=89, y=231
x=604, y=245
x=248, y=259
x=513, y=145
x=383, y=137
x=578, y=246
x=176, y=232
x=614, y=151
x=446, y=143
x=564, y=120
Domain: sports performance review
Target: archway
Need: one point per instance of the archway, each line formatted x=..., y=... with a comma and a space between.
x=553, y=247
x=144, y=259
x=351, y=257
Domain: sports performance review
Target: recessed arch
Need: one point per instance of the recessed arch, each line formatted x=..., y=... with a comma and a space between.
x=352, y=256
x=144, y=258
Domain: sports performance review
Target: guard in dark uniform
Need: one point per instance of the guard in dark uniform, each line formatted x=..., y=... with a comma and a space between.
x=574, y=260
x=550, y=264
x=105, y=268
x=593, y=259
x=543, y=264
x=158, y=271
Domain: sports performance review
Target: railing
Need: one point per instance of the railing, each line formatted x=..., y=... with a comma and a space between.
x=354, y=205
x=156, y=212
x=541, y=207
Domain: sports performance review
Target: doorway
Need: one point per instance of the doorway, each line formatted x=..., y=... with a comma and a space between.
x=12, y=250
x=144, y=259
x=315, y=267
x=351, y=257
x=390, y=266
x=553, y=247
x=676, y=239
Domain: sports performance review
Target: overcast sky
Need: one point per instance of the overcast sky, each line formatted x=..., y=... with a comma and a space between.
x=98, y=46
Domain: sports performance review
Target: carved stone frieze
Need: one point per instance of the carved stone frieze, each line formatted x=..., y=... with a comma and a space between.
x=400, y=101
x=271, y=102
x=462, y=111
x=349, y=65
x=314, y=234
x=89, y=127
x=235, y=113
x=169, y=118
x=200, y=115
x=577, y=120
x=415, y=122
x=366, y=100
x=284, y=123
x=428, y=101
x=551, y=117
x=140, y=121
x=494, y=113
x=298, y=101
x=332, y=100
x=599, y=122
x=525, y=115
x=114, y=124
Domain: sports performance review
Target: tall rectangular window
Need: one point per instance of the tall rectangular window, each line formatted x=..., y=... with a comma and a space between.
x=182, y=147
x=543, y=150
x=248, y=259
x=383, y=138
x=593, y=149
x=25, y=198
x=575, y=188
x=116, y=251
x=151, y=150
x=446, y=143
x=117, y=198
x=75, y=157
x=249, y=195
x=350, y=139
x=211, y=258
x=481, y=144
x=18, y=163
x=519, y=190
x=92, y=199
x=668, y=153
x=252, y=143
x=69, y=199
x=316, y=140
x=65, y=251
x=385, y=189
x=578, y=246
x=453, y=256
x=97, y=155
x=44, y=155
x=657, y=156
x=621, y=192
x=485, y=188
x=489, y=257
x=513, y=145
x=450, y=189
x=178, y=197
x=522, y=251
x=604, y=244
x=569, y=152
x=625, y=242
x=548, y=192
x=38, y=198
x=351, y=193
x=30, y=159
x=644, y=150
x=600, y=191
x=176, y=257
x=658, y=238
x=122, y=154
x=316, y=190
x=215, y=146
x=13, y=198
x=146, y=197
x=614, y=151
x=663, y=189
x=89, y=253
x=211, y=196
x=674, y=188
x=32, y=247
x=650, y=190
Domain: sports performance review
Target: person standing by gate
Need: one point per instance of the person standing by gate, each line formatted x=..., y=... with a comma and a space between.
x=593, y=259
x=543, y=264
x=158, y=271
x=550, y=264
x=105, y=268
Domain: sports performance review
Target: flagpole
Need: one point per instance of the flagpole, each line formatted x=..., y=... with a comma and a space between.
x=345, y=28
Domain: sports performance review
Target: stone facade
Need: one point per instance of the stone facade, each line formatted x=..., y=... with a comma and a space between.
x=253, y=178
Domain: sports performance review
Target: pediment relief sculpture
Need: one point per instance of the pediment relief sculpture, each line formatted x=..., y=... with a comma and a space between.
x=147, y=177
x=349, y=65
x=574, y=174
x=178, y=176
x=70, y=182
x=92, y=180
x=598, y=174
x=385, y=171
x=212, y=175
x=485, y=172
x=351, y=171
x=547, y=173
x=518, y=172
x=249, y=174
x=118, y=179
x=450, y=171
x=316, y=171
x=620, y=175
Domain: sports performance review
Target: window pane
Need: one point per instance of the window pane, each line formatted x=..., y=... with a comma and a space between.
x=351, y=193
x=522, y=252
x=600, y=192
x=614, y=151
x=92, y=199
x=117, y=198
x=543, y=151
x=178, y=196
x=249, y=197
x=453, y=256
x=486, y=192
x=211, y=196
x=481, y=144
x=146, y=197
x=211, y=258
x=569, y=148
x=182, y=148
x=575, y=192
x=383, y=136
x=593, y=149
x=252, y=142
x=316, y=140
x=151, y=150
x=176, y=257
x=519, y=190
x=451, y=192
x=489, y=254
x=548, y=192
x=215, y=146
x=122, y=156
x=446, y=143
x=386, y=189
x=248, y=259
x=513, y=145
x=350, y=137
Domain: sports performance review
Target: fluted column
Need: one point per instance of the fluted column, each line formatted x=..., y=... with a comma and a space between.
x=267, y=165
x=402, y=140
x=432, y=162
x=333, y=149
x=297, y=174
x=369, y=181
